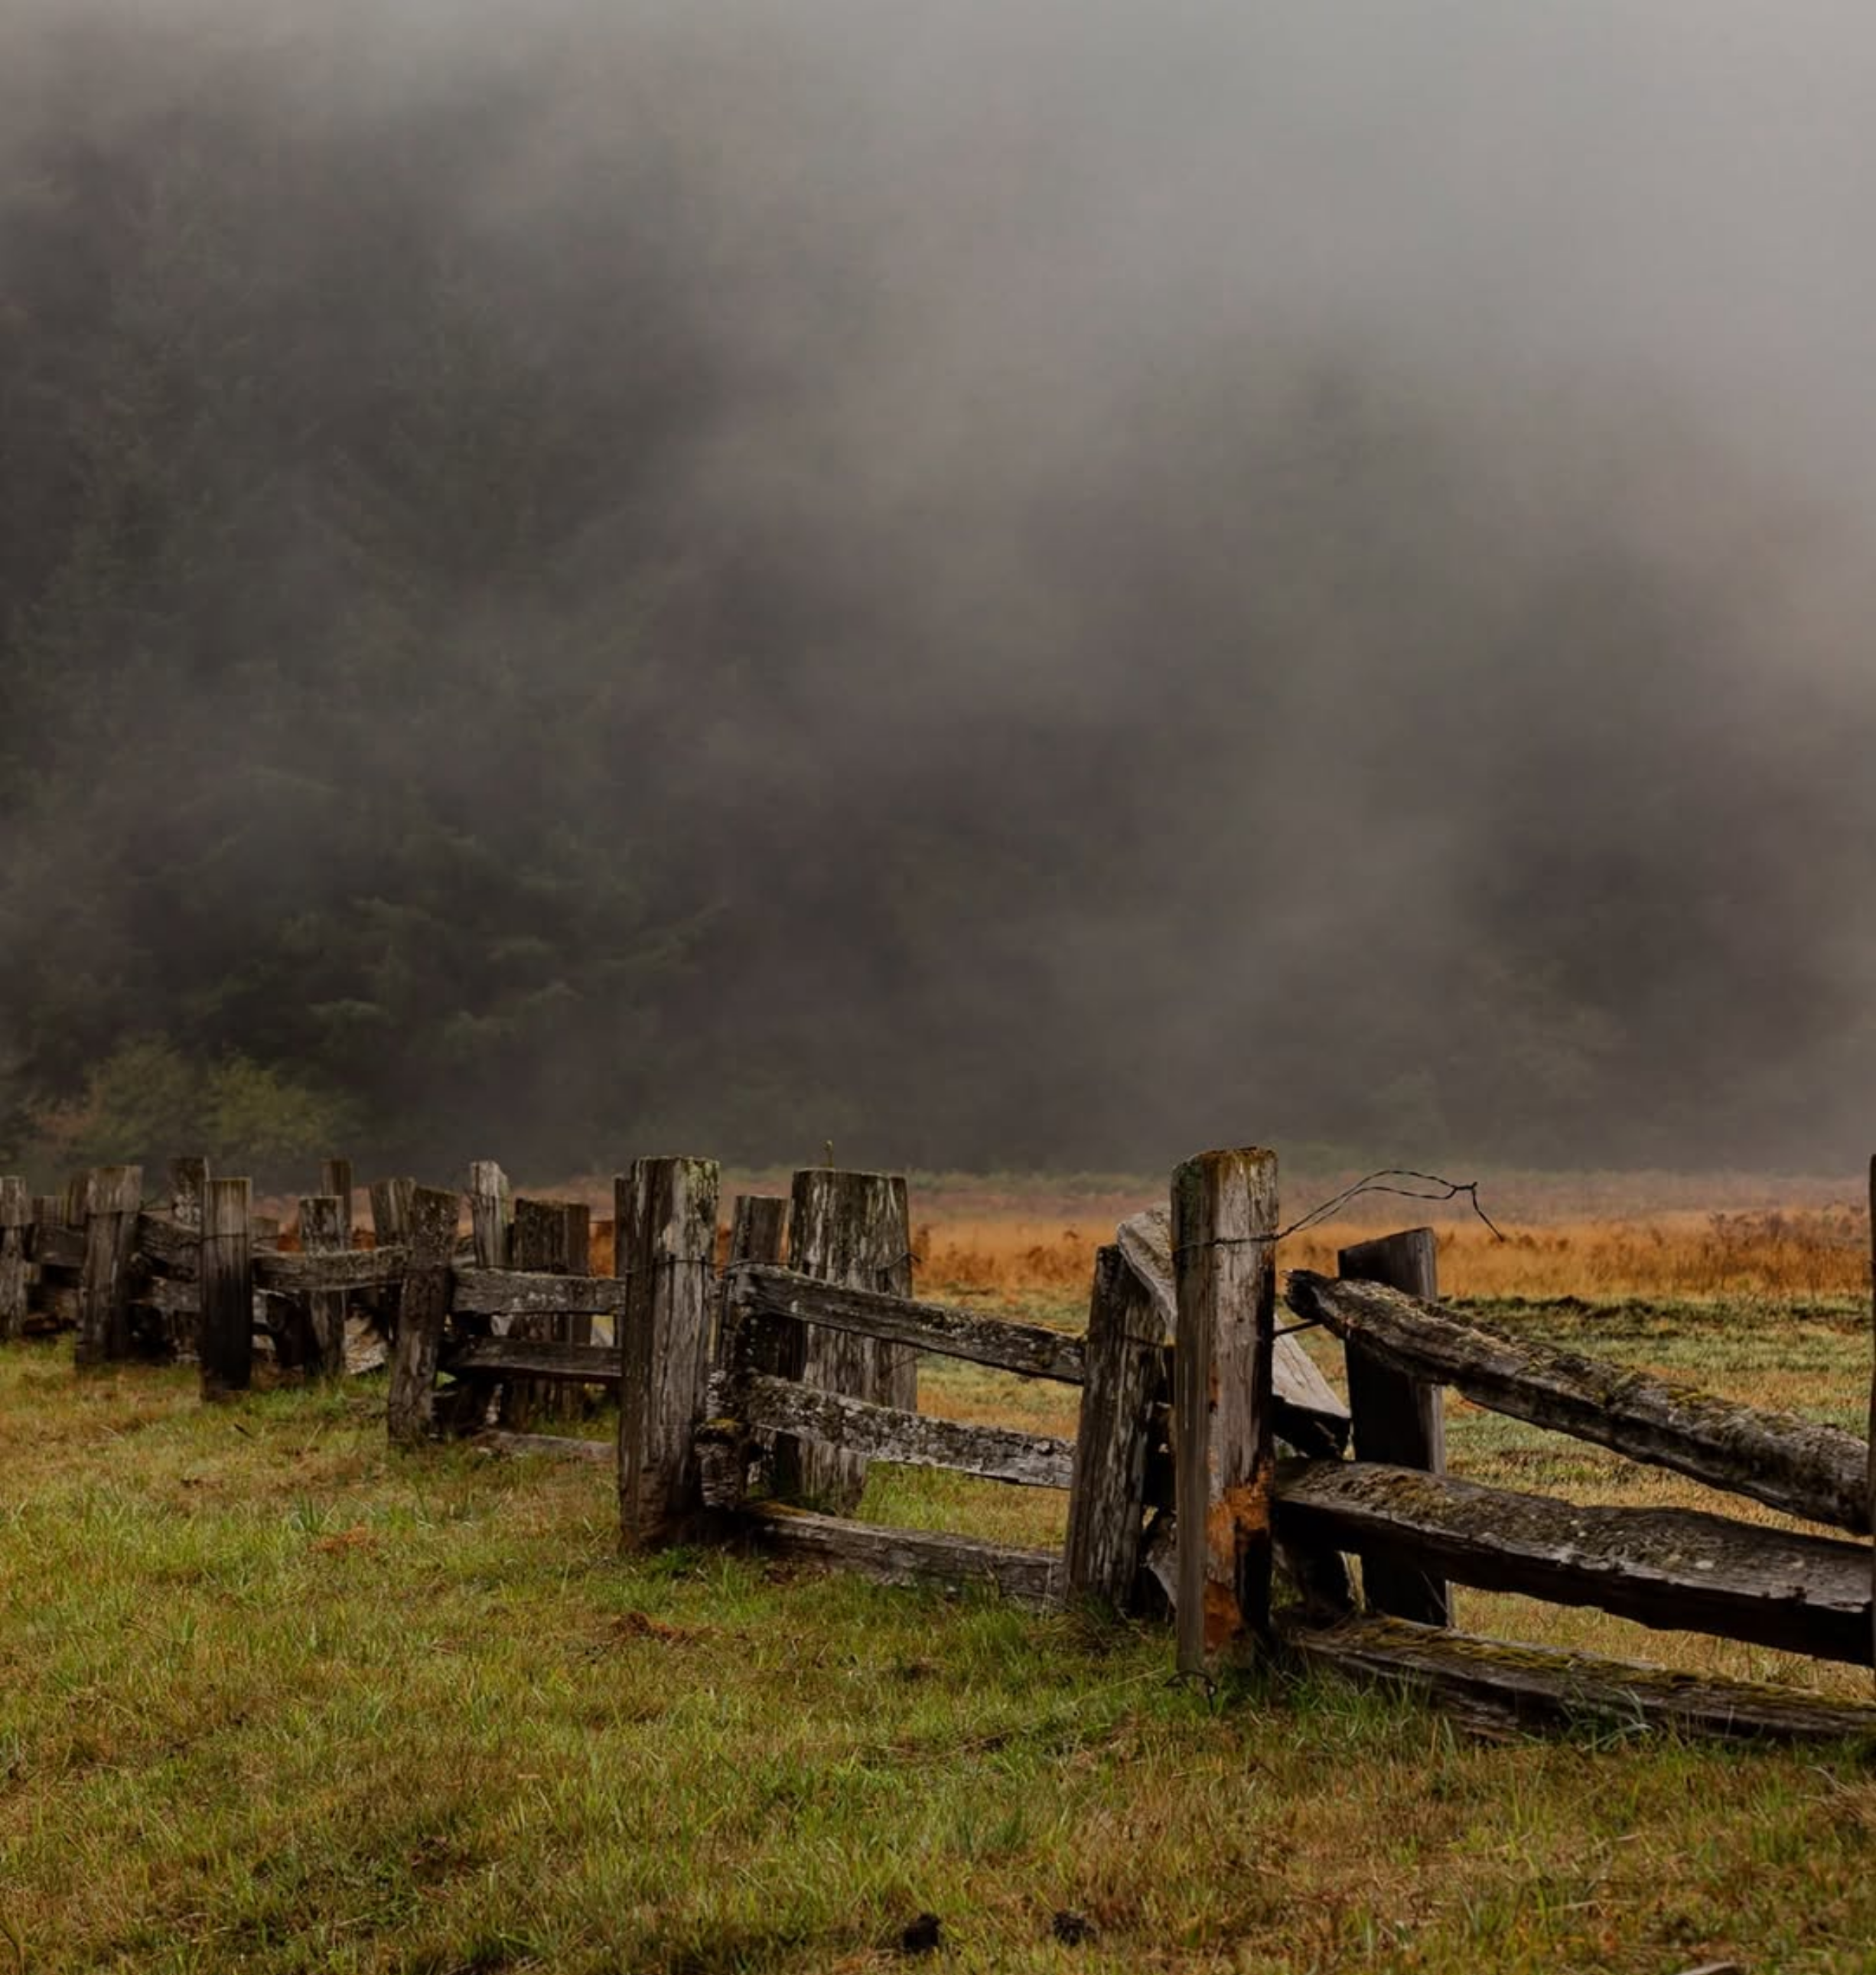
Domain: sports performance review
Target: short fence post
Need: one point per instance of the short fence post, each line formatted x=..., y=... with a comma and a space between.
x=423, y=1308
x=1398, y=1419
x=322, y=1232
x=1107, y=1504
x=113, y=1196
x=1224, y=1230
x=14, y=1212
x=856, y=1229
x=665, y=1228
x=225, y=1333
x=551, y=1237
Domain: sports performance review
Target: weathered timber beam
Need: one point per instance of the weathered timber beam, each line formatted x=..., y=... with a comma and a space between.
x=351, y=1269
x=1028, y=1348
x=886, y=1433
x=546, y=1446
x=908, y=1556
x=525, y=1293
x=534, y=1357
x=175, y=1249
x=1310, y=1416
x=1792, y=1464
x=1677, y=1569
x=1542, y=1686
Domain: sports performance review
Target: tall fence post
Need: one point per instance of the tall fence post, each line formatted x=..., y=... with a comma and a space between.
x=1106, y=1505
x=1398, y=1419
x=853, y=1228
x=322, y=1232
x=113, y=1197
x=15, y=1210
x=1223, y=1231
x=224, y=1331
x=423, y=1308
x=665, y=1218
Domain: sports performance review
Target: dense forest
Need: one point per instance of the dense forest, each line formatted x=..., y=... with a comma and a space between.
x=705, y=579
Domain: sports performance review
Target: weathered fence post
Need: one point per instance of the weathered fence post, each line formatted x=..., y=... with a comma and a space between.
x=1224, y=1230
x=423, y=1307
x=489, y=1213
x=853, y=1228
x=112, y=1196
x=322, y=1232
x=1107, y=1499
x=14, y=1213
x=390, y=1220
x=665, y=1218
x=553, y=1237
x=1396, y=1419
x=45, y=1292
x=335, y=1180
x=759, y=1234
x=188, y=1189
x=224, y=1328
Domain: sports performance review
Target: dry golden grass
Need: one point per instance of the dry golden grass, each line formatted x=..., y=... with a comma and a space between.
x=1779, y=1253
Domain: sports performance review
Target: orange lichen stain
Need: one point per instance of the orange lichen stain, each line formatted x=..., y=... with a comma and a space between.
x=1224, y=1621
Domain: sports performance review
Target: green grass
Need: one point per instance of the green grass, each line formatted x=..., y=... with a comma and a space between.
x=271, y=1697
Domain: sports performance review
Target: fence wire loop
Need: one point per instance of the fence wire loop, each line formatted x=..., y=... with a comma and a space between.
x=1373, y=1182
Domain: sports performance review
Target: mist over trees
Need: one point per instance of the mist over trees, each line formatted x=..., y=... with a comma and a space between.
x=730, y=576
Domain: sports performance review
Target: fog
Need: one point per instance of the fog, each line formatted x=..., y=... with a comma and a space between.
x=1016, y=584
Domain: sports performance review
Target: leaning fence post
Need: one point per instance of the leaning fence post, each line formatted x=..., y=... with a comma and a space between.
x=322, y=1232
x=853, y=1228
x=1223, y=1231
x=14, y=1212
x=1106, y=1503
x=664, y=1217
x=1396, y=1419
x=224, y=1328
x=423, y=1308
x=113, y=1197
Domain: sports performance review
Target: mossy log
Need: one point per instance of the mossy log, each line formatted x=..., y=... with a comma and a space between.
x=1677, y=1569
x=1798, y=1466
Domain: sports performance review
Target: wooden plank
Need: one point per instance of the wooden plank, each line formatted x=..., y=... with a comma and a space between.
x=15, y=1209
x=545, y=1446
x=908, y=1556
x=180, y=1304
x=224, y=1331
x=1224, y=1229
x=1107, y=1496
x=918, y=1440
x=114, y=1194
x=188, y=1190
x=354, y=1269
x=323, y=1237
x=542, y=1358
x=55, y=1246
x=664, y=1219
x=423, y=1308
x=1398, y=1420
x=727, y=1453
x=1489, y=1681
x=1310, y=1417
x=1677, y=1569
x=482, y=1292
x=1795, y=1465
x=854, y=1229
x=775, y=1294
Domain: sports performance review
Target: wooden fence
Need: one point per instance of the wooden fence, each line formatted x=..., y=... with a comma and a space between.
x=1214, y=1468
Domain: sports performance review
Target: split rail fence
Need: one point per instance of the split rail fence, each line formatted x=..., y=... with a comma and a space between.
x=1214, y=1471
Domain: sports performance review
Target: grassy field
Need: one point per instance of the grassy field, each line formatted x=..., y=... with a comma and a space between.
x=272, y=1698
